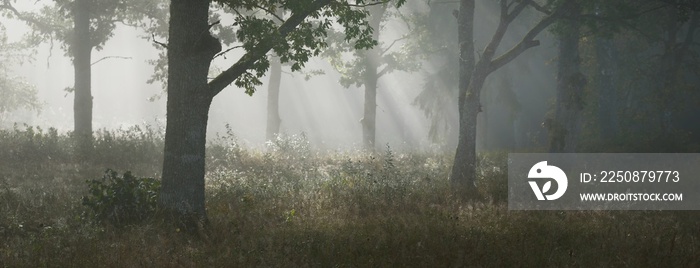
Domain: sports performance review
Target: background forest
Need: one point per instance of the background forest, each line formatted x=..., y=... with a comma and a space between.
x=330, y=133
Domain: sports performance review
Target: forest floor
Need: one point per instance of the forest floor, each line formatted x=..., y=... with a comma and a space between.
x=288, y=206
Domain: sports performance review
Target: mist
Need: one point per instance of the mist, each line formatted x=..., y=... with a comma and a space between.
x=328, y=114
x=410, y=134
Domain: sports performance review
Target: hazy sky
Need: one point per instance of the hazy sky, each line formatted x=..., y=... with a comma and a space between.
x=328, y=113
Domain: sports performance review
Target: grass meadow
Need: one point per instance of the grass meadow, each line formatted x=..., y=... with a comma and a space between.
x=289, y=205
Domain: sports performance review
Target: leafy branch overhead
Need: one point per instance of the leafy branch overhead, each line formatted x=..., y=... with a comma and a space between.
x=302, y=35
x=15, y=91
x=398, y=54
x=54, y=21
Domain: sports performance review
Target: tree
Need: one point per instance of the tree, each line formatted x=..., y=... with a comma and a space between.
x=81, y=26
x=642, y=52
x=273, y=91
x=367, y=66
x=473, y=73
x=16, y=93
x=273, y=99
x=434, y=32
x=370, y=59
x=673, y=58
x=607, y=58
x=191, y=47
x=565, y=126
x=81, y=50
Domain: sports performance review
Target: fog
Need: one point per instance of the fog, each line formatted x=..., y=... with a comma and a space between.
x=328, y=114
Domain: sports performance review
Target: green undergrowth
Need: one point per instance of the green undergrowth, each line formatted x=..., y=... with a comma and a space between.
x=289, y=206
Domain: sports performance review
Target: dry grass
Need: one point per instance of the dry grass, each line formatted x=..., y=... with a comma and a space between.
x=292, y=207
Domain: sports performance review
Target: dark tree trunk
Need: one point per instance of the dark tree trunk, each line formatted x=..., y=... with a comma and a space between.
x=671, y=64
x=273, y=99
x=190, y=51
x=483, y=141
x=370, y=110
x=370, y=80
x=606, y=53
x=667, y=69
x=464, y=166
x=566, y=125
x=81, y=49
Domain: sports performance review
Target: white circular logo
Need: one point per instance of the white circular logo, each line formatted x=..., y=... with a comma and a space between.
x=542, y=171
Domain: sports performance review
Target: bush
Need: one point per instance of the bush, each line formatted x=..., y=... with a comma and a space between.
x=121, y=200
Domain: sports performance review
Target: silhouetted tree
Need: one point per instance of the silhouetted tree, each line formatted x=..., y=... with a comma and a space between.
x=273, y=91
x=464, y=167
x=81, y=26
x=368, y=66
x=433, y=31
x=191, y=47
x=565, y=126
x=16, y=93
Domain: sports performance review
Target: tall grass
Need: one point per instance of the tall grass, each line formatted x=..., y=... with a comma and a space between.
x=290, y=206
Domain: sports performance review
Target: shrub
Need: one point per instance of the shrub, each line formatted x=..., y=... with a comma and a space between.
x=121, y=200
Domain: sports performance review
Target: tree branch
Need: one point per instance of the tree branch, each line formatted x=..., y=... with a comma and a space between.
x=392, y=44
x=540, y=8
x=367, y=5
x=159, y=43
x=110, y=57
x=384, y=71
x=39, y=24
x=525, y=43
x=226, y=51
x=517, y=10
x=246, y=62
x=270, y=12
x=505, y=20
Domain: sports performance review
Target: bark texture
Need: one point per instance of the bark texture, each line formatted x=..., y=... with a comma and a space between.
x=273, y=99
x=190, y=51
x=370, y=80
x=464, y=166
x=81, y=49
x=564, y=129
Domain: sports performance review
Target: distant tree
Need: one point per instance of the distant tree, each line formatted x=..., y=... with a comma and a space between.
x=661, y=64
x=81, y=26
x=366, y=67
x=274, y=121
x=433, y=32
x=680, y=25
x=16, y=93
x=190, y=50
x=273, y=90
x=642, y=52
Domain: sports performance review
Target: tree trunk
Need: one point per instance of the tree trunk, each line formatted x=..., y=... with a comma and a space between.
x=190, y=51
x=273, y=98
x=464, y=166
x=465, y=163
x=671, y=63
x=371, y=77
x=81, y=49
x=370, y=110
x=566, y=125
x=483, y=141
x=606, y=53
